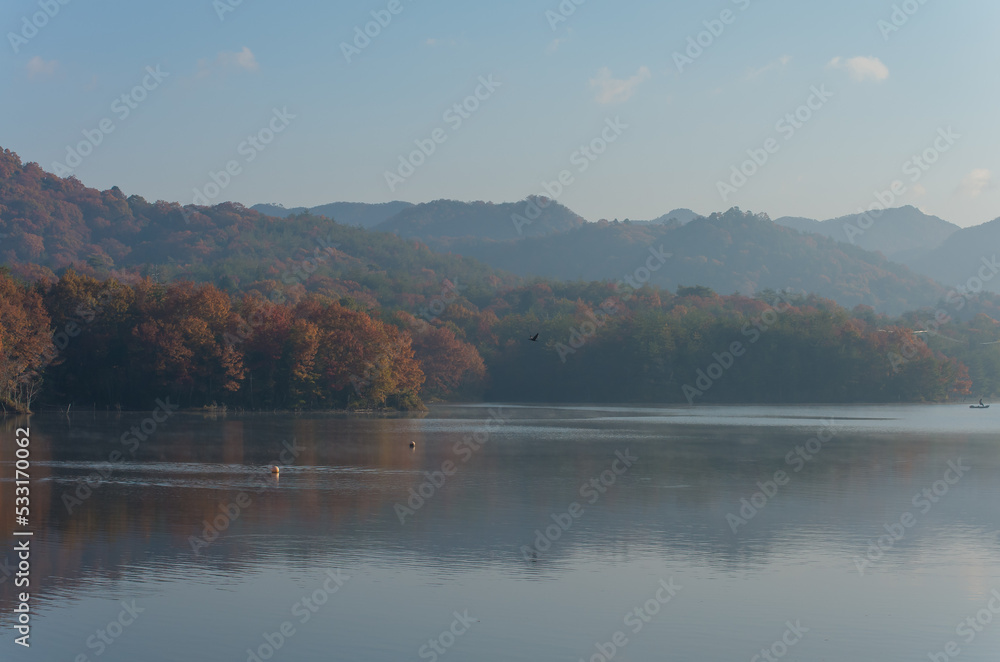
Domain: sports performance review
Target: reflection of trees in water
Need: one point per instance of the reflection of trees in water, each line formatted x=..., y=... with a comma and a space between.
x=335, y=503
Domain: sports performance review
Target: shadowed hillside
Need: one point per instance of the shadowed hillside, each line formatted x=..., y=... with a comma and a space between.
x=346, y=213
x=731, y=252
x=441, y=222
x=902, y=234
x=969, y=254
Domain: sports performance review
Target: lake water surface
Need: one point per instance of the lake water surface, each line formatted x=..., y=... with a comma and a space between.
x=558, y=533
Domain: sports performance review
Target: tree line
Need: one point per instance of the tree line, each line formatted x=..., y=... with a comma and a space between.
x=124, y=343
x=113, y=344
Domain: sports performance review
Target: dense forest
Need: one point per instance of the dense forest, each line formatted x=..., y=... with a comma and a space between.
x=48, y=224
x=111, y=301
x=125, y=344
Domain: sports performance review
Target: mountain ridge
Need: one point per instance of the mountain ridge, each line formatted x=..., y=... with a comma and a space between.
x=734, y=251
x=900, y=233
x=359, y=214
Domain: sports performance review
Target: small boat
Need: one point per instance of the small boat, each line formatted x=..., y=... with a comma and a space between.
x=979, y=406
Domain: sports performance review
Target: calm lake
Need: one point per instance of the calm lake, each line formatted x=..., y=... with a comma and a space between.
x=530, y=533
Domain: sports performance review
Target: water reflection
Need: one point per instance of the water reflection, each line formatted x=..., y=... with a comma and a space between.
x=133, y=532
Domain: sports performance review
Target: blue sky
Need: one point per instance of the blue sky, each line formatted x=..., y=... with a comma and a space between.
x=887, y=96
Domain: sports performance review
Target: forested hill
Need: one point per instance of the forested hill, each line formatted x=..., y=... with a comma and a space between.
x=121, y=344
x=361, y=214
x=441, y=222
x=968, y=258
x=731, y=252
x=222, y=305
x=51, y=223
x=48, y=224
x=902, y=234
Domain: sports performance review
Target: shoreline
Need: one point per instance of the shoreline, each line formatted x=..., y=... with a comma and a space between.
x=390, y=413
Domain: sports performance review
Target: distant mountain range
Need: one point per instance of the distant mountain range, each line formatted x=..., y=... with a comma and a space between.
x=358, y=214
x=681, y=216
x=733, y=252
x=902, y=234
x=928, y=245
x=966, y=255
x=442, y=222
x=48, y=224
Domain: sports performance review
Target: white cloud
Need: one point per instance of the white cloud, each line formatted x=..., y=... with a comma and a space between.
x=615, y=90
x=780, y=63
x=558, y=41
x=243, y=59
x=976, y=183
x=39, y=67
x=861, y=68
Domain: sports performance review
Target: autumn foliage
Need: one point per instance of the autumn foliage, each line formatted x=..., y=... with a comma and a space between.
x=113, y=301
x=25, y=343
x=126, y=345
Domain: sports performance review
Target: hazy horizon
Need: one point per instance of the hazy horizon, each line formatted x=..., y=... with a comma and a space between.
x=549, y=81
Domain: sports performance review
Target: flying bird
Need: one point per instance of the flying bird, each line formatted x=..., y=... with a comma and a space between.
x=534, y=338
